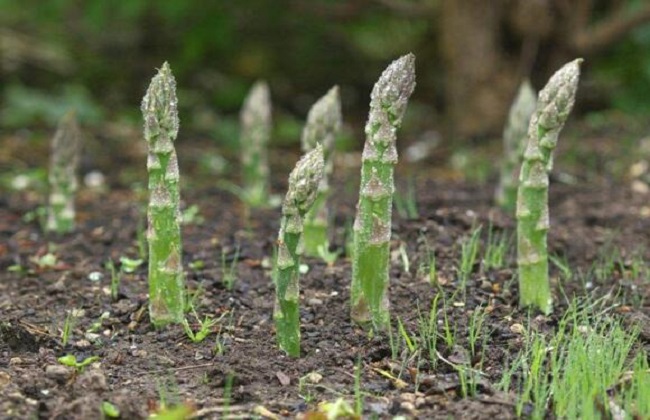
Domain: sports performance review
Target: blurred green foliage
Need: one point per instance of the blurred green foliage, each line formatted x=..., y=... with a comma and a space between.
x=24, y=106
x=218, y=48
x=625, y=71
x=50, y=48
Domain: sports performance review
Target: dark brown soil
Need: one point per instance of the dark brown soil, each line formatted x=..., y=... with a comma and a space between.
x=139, y=367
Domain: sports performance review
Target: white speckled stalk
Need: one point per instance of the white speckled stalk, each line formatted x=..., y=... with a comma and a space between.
x=514, y=143
x=255, y=121
x=553, y=108
x=166, y=280
x=372, y=225
x=64, y=160
x=322, y=127
x=301, y=194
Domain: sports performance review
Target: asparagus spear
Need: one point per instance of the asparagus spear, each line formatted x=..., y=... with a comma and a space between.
x=166, y=281
x=302, y=192
x=66, y=147
x=322, y=127
x=553, y=108
x=514, y=142
x=372, y=225
x=255, y=120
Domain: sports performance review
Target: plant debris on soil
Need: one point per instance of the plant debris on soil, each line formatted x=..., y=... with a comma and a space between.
x=238, y=370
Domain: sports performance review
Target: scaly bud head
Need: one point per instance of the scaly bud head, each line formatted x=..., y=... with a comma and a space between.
x=393, y=90
x=160, y=109
x=66, y=142
x=558, y=96
x=304, y=180
x=256, y=109
x=323, y=122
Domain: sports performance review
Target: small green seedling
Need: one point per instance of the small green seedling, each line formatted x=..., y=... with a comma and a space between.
x=129, y=265
x=553, y=108
x=166, y=279
x=372, y=226
x=71, y=360
x=66, y=148
x=205, y=327
x=469, y=253
x=302, y=192
x=406, y=204
x=192, y=216
x=179, y=412
x=116, y=279
x=329, y=257
x=48, y=260
x=68, y=325
x=229, y=270
x=337, y=409
x=408, y=340
x=496, y=249
x=109, y=410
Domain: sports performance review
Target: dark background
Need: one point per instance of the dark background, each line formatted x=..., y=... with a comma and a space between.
x=99, y=55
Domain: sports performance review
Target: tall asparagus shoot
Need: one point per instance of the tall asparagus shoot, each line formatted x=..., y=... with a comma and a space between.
x=514, y=143
x=166, y=281
x=255, y=121
x=553, y=107
x=322, y=127
x=303, y=190
x=372, y=226
x=66, y=145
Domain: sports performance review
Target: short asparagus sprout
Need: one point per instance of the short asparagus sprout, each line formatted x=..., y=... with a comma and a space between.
x=302, y=192
x=166, y=281
x=322, y=127
x=553, y=107
x=66, y=145
x=255, y=120
x=372, y=226
x=514, y=142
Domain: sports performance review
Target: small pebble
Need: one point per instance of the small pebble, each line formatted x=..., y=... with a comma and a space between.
x=314, y=377
x=5, y=379
x=15, y=361
x=407, y=397
x=58, y=373
x=517, y=329
x=407, y=406
x=92, y=380
x=95, y=276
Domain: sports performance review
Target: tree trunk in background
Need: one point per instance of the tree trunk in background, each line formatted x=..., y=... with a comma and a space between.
x=481, y=78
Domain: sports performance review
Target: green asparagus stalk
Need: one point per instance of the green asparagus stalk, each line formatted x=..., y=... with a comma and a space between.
x=372, y=226
x=514, y=142
x=166, y=281
x=322, y=127
x=553, y=107
x=66, y=145
x=255, y=119
x=302, y=192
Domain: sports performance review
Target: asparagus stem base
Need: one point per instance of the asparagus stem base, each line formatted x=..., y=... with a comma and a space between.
x=369, y=290
x=534, y=288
